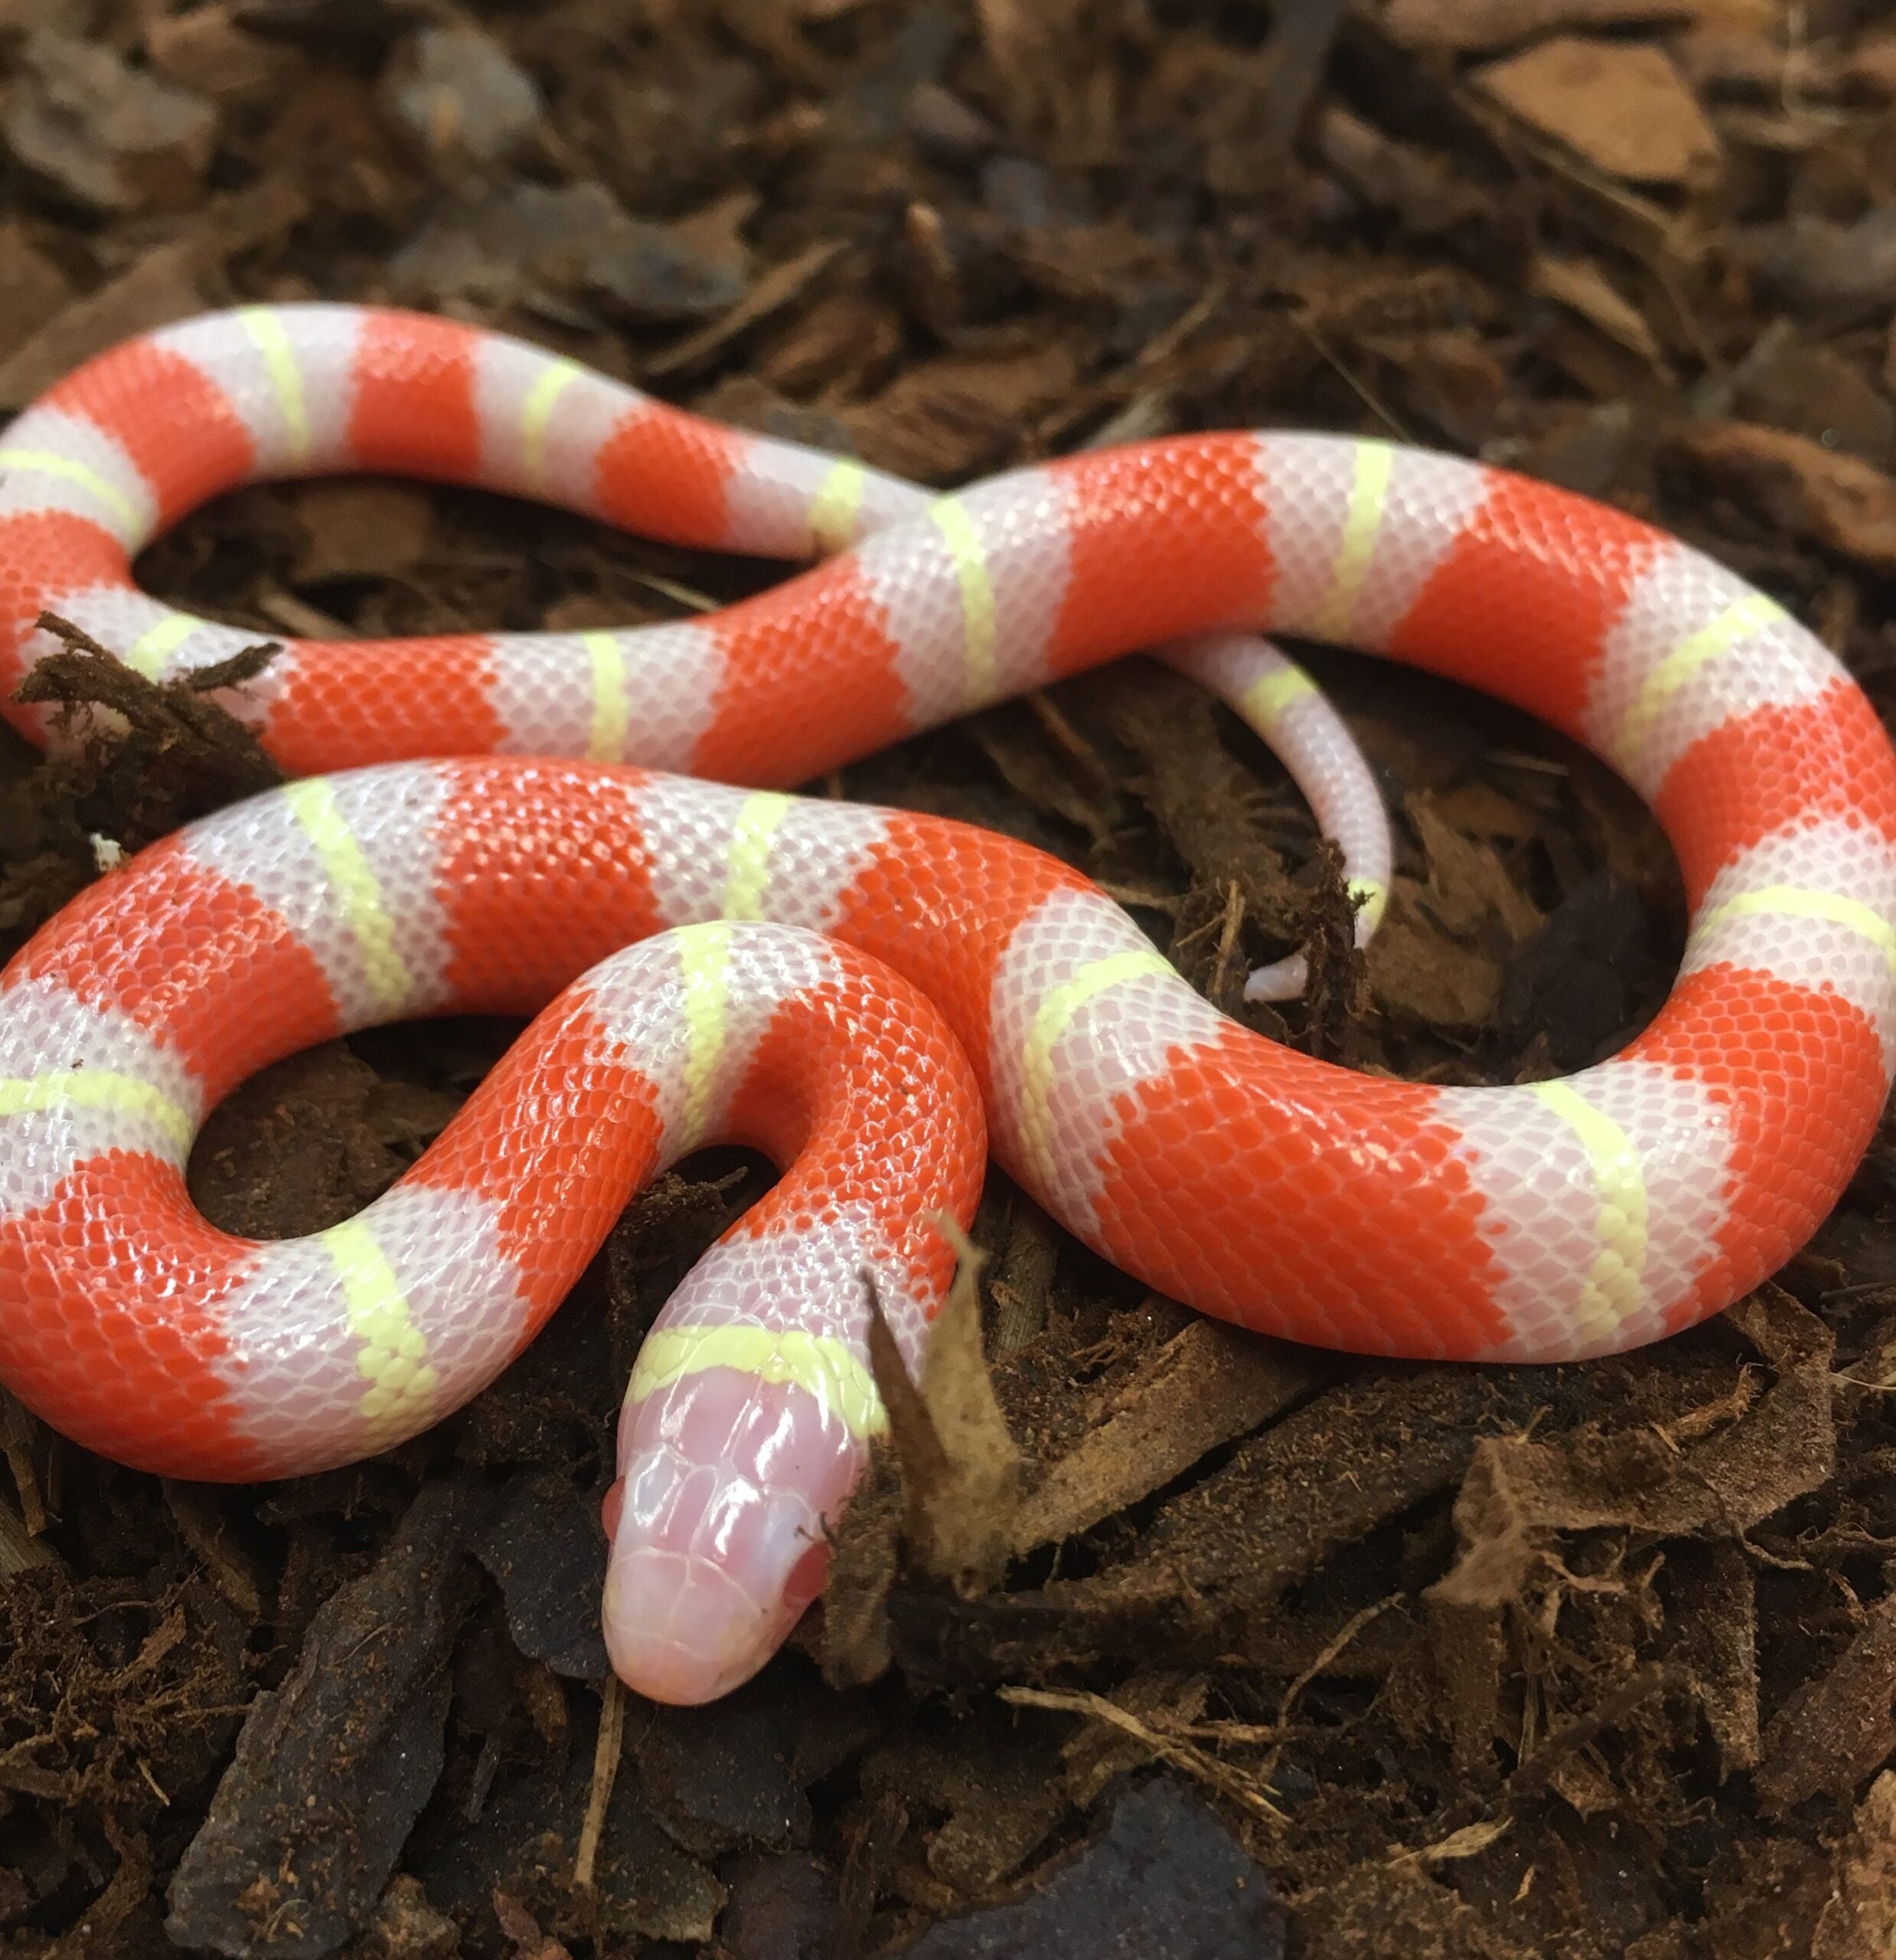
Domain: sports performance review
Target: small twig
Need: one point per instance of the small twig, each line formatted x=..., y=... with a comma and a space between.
x=1477, y=1831
x=1862, y=1289
x=245, y=664
x=1068, y=738
x=606, y=1760
x=88, y=674
x=297, y=616
x=681, y=594
x=19, y=1549
x=1654, y=1678
x=1470, y=1841
x=17, y=1438
x=1350, y=1628
x=1300, y=319
x=1182, y=1755
x=1230, y=924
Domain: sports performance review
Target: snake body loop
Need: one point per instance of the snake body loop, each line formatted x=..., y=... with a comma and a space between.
x=876, y=999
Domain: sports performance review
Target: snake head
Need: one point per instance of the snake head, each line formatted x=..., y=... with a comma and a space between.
x=717, y=1531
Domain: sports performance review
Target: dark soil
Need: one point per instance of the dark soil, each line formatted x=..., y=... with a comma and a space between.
x=1242, y=1648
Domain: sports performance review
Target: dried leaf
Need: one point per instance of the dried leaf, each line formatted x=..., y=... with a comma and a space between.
x=206, y=52
x=1580, y=284
x=1472, y=26
x=1858, y=1919
x=1834, y=500
x=1836, y=1728
x=1621, y=107
x=333, y=1768
x=111, y=136
x=1467, y=883
x=960, y=1471
x=1416, y=970
x=1205, y=1386
x=164, y=286
x=1520, y=1493
x=1816, y=392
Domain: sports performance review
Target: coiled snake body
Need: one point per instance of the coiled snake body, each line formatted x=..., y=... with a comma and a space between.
x=874, y=998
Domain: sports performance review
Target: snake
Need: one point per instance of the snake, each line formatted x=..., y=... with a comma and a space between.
x=595, y=829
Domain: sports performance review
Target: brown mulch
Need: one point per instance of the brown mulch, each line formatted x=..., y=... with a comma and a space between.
x=1160, y=1640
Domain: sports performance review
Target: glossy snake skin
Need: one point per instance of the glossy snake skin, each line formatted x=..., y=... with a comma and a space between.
x=876, y=999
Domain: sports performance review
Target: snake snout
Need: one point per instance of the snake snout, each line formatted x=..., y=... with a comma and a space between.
x=719, y=1542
